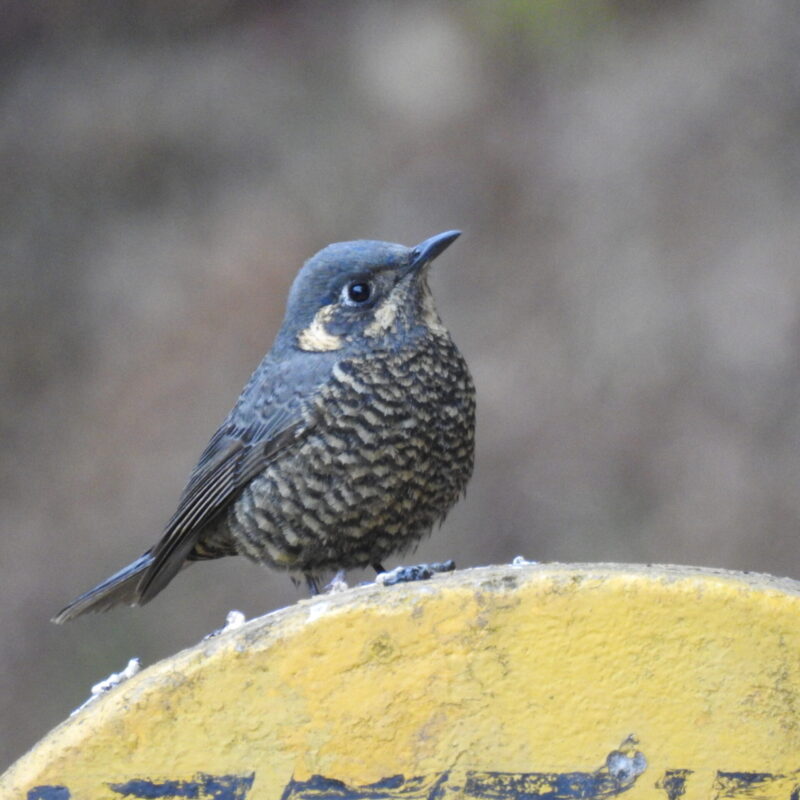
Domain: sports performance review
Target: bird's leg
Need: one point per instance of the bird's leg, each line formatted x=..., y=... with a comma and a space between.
x=337, y=583
x=419, y=572
x=311, y=582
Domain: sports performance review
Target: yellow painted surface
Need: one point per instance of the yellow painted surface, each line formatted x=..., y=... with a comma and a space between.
x=495, y=683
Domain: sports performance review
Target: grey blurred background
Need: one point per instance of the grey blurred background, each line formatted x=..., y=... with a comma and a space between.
x=627, y=288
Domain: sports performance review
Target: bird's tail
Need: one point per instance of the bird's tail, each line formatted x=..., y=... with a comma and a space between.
x=120, y=589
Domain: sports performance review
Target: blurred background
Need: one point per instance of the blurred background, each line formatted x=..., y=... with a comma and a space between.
x=626, y=291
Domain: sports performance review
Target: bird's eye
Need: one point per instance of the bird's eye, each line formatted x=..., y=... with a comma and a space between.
x=358, y=292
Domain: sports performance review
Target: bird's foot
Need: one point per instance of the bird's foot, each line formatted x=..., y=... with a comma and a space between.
x=336, y=584
x=419, y=572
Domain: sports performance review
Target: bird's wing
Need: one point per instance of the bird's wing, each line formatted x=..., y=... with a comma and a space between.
x=271, y=415
x=233, y=457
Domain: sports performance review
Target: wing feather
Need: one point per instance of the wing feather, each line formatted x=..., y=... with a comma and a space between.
x=233, y=457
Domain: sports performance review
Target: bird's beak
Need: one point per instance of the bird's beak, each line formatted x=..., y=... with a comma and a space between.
x=426, y=251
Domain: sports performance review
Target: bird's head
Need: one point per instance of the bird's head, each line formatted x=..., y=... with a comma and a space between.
x=355, y=294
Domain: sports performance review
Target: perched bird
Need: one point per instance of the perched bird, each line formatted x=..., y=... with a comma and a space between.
x=352, y=438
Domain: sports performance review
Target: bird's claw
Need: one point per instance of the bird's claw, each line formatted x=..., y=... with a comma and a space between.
x=419, y=572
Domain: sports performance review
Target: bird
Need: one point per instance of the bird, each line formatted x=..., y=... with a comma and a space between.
x=352, y=438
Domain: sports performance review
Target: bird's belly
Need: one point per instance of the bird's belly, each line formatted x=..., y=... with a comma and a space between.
x=371, y=479
x=332, y=506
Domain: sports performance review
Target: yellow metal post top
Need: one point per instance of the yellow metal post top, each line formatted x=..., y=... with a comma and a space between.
x=521, y=681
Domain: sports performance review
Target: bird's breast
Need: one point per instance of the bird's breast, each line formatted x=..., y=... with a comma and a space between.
x=388, y=451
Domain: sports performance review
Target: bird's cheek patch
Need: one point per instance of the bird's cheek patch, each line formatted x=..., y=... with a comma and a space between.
x=315, y=338
x=384, y=318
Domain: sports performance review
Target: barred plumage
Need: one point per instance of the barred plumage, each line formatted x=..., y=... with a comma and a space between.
x=391, y=453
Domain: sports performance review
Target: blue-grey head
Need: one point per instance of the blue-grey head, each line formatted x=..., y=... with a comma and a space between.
x=355, y=294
